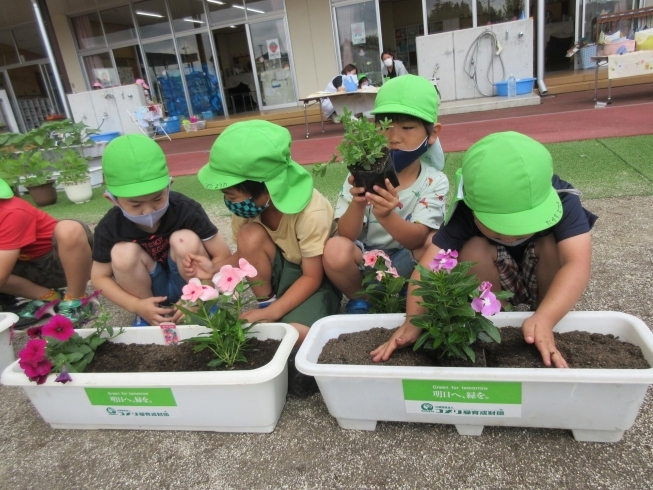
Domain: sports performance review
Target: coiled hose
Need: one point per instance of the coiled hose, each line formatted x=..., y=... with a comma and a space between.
x=471, y=59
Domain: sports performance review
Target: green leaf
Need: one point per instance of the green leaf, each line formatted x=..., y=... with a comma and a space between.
x=470, y=353
x=490, y=329
x=215, y=363
x=74, y=356
x=420, y=341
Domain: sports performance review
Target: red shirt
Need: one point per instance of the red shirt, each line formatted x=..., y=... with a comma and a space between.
x=24, y=227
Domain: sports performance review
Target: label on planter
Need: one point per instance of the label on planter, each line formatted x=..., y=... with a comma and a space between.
x=134, y=403
x=463, y=398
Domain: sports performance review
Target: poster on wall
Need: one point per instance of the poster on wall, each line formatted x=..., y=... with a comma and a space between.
x=274, y=51
x=106, y=76
x=358, y=33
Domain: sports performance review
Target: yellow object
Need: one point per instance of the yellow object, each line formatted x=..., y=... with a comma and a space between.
x=644, y=40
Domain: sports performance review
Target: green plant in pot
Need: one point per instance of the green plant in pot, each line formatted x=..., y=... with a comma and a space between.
x=363, y=149
x=74, y=176
x=37, y=176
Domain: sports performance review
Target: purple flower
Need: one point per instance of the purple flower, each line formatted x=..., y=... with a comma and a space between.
x=63, y=377
x=92, y=298
x=33, y=352
x=35, y=332
x=487, y=304
x=59, y=327
x=485, y=286
x=444, y=260
x=37, y=371
x=47, y=309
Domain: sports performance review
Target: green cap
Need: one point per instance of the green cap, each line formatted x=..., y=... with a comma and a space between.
x=134, y=165
x=5, y=190
x=361, y=76
x=259, y=151
x=408, y=94
x=505, y=179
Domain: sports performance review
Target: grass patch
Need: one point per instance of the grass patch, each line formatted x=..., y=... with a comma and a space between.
x=616, y=167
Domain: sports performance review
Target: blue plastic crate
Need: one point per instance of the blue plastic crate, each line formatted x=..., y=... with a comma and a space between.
x=524, y=86
x=172, y=125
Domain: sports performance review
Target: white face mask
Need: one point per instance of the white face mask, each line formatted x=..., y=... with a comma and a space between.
x=512, y=244
x=365, y=84
x=388, y=62
x=148, y=220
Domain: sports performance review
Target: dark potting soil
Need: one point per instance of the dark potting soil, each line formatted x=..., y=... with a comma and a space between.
x=580, y=349
x=113, y=357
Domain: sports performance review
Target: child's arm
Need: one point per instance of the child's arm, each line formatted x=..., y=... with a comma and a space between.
x=300, y=291
x=147, y=308
x=219, y=254
x=350, y=223
x=407, y=333
x=575, y=256
x=410, y=235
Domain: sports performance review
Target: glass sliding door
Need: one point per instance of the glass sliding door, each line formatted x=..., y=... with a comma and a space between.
x=129, y=64
x=31, y=94
x=270, y=43
x=201, y=75
x=357, y=29
x=165, y=75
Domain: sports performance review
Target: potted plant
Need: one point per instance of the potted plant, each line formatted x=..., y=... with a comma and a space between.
x=74, y=176
x=37, y=177
x=596, y=404
x=363, y=149
x=224, y=401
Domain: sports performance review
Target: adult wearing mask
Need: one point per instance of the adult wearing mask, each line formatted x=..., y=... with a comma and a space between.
x=391, y=67
x=336, y=85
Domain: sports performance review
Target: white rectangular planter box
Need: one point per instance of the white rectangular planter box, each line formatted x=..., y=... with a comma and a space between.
x=221, y=401
x=6, y=349
x=596, y=404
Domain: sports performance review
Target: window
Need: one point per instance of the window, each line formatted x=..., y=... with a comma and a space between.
x=118, y=24
x=187, y=14
x=8, y=55
x=88, y=31
x=152, y=18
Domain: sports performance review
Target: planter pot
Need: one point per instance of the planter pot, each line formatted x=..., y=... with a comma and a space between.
x=368, y=179
x=79, y=193
x=43, y=195
x=225, y=401
x=96, y=150
x=596, y=404
x=6, y=350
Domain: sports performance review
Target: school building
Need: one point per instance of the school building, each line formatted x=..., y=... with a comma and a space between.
x=222, y=58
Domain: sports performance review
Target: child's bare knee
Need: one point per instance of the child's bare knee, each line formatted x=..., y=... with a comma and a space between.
x=337, y=252
x=184, y=240
x=70, y=233
x=125, y=256
x=251, y=237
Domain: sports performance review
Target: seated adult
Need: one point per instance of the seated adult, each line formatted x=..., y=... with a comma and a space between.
x=391, y=67
x=336, y=85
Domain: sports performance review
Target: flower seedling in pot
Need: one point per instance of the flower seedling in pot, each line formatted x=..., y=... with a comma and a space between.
x=383, y=288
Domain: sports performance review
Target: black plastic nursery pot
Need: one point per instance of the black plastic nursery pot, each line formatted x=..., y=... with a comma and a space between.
x=382, y=169
x=43, y=195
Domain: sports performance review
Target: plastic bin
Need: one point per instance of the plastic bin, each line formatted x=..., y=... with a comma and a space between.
x=524, y=86
x=207, y=114
x=104, y=136
x=586, y=54
x=621, y=47
x=172, y=125
x=199, y=125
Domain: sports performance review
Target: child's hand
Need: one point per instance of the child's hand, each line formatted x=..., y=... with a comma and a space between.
x=152, y=313
x=405, y=335
x=358, y=193
x=385, y=202
x=540, y=332
x=198, y=266
x=260, y=314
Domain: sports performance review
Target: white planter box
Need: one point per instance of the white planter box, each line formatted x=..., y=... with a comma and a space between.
x=6, y=350
x=596, y=404
x=225, y=401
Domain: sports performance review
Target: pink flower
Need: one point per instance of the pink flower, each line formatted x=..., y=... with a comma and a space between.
x=487, y=303
x=388, y=262
x=192, y=291
x=47, y=309
x=393, y=272
x=59, y=327
x=35, y=332
x=37, y=372
x=485, y=286
x=33, y=352
x=370, y=258
x=229, y=278
x=247, y=269
x=380, y=275
x=444, y=261
x=92, y=298
x=63, y=377
x=208, y=293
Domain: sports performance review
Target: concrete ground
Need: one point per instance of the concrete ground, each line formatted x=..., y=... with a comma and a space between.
x=309, y=450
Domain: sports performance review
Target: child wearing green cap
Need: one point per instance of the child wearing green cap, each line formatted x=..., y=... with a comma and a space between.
x=142, y=242
x=399, y=220
x=280, y=222
x=525, y=229
x=39, y=254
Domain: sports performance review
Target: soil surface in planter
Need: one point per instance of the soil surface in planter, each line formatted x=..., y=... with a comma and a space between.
x=113, y=357
x=580, y=349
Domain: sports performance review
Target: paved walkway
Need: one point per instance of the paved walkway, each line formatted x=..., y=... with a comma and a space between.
x=566, y=117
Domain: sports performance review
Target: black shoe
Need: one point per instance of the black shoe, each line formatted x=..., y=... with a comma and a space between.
x=299, y=384
x=23, y=323
x=9, y=303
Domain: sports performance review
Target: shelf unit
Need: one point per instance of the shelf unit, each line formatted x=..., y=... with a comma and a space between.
x=35, y=110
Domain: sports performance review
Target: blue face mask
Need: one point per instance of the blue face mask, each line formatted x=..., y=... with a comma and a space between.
x=245, y=209
x=403, y=158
